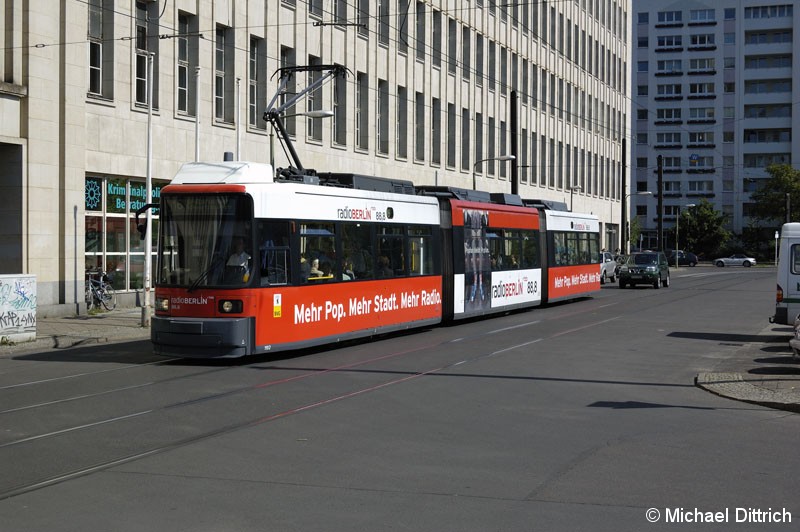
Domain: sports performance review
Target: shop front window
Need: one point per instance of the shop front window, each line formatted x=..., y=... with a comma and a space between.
x=112, y=241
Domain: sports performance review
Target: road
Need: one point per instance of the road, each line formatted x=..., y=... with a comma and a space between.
x=578, y=416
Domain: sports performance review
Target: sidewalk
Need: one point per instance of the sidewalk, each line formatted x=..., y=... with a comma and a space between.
x=762, y=372
x=118, y=325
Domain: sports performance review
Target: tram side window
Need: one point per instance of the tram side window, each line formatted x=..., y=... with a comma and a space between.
x=530, y=250
x=358, y=262
x=391, y=252
x=274, y=255
x=560, y=253
x=420, y=245
x=572, y=248
x=494, y=237
x=511, y=249
x=317, y=252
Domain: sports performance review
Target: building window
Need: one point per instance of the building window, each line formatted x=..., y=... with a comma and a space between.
x=340, y=11
x=383, y=116
x=362, y=8
x=287, y=59
x=701, y=15
x=257, y=82
x=465, y=144
x=436, y=131
x=419, y=126
x=479, y=60
x=340, y=111
x=112, y=240
x=383, y=22
x=466, y=52
x=314, y=101
x=730, y=13
x=223, y=74
x=402, y=122
x=421, y=51
x=491, y=151
x=785, y=10
x=478, y=166
x=451, y=135
x=146, y=43
x=187, y=63
x=436, y=45
x=670, y=17
x=362, y=111
x=101, y=48
x=402, y=26
x=452, y=47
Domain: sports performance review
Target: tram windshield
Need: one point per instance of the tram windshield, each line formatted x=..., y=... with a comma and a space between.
x=205, y=240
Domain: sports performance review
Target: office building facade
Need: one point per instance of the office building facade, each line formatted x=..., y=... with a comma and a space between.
x=714, y=98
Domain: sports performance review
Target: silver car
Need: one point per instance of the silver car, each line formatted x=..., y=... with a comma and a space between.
x=738, y=259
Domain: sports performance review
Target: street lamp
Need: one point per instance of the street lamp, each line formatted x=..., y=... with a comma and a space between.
x=573, y=188
x=677, y=219
x=498, y=158
x=625, y=231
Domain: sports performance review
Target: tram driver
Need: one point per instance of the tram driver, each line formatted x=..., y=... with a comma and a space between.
x=237, y=269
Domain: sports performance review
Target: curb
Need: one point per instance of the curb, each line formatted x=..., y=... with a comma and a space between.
x=733, y=386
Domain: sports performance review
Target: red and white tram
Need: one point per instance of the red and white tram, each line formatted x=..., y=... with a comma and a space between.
x=248, y=264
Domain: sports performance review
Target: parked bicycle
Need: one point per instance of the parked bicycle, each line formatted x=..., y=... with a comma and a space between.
x=99, y=291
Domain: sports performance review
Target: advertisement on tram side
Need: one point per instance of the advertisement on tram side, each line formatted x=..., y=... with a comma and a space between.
x=571, y=281
x=299, y=314
x=511, y=288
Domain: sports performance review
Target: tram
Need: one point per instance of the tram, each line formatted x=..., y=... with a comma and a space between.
x=249, y=263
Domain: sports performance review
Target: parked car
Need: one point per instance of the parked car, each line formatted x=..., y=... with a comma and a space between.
x=685, y=258
x=738, y=259
x=608, y=267
x=645, y=268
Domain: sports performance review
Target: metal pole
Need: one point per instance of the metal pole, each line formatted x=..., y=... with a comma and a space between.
x=196, y=114
x=148, y=259
x=623, y=244
x=238, y=120
x=514, y=141
x=677, y=221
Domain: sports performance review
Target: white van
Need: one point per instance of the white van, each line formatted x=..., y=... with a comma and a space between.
x=787, y=297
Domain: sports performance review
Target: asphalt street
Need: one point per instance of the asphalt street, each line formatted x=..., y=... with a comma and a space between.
x=578, y=416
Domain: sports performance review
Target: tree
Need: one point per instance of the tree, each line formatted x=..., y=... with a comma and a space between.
x=769, y=200
x=702, y=229
x=634, y=230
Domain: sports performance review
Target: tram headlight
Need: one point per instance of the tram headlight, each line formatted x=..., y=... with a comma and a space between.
x=230, y=306
x=161, y=304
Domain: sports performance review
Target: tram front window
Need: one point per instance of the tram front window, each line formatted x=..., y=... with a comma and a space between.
x=205, y=240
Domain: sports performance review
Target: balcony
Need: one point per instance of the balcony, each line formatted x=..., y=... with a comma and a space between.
x=702, y=97
x=668, y=122
x=671, y=97
x=705, y=145
x=702, y=48
x=663, y=49
x=701, y=121
x=703, y=72
x=668, y=146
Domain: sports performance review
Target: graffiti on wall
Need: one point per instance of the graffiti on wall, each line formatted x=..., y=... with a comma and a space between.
x=17, y=305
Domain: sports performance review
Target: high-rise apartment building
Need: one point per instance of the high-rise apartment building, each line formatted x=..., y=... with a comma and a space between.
x=714, y=98
x=429, y=97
